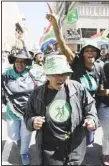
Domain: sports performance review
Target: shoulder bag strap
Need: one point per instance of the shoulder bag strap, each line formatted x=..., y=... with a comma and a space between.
x=35, y=84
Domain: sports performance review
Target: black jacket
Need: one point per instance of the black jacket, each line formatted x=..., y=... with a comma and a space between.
x=83, y=106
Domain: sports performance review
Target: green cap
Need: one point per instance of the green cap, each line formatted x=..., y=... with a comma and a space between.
x=56, y=64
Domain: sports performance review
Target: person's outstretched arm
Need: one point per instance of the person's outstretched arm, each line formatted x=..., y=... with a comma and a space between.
x=64, y=48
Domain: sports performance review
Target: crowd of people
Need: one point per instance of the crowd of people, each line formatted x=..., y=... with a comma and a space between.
x=61, y=95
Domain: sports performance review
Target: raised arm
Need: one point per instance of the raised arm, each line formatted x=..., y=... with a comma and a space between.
x=64, y=48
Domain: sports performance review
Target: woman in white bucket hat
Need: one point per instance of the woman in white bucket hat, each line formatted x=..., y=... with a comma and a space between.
x=55, y=111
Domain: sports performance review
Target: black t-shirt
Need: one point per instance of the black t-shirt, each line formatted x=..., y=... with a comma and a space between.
x=90, y=78
x=58, y=118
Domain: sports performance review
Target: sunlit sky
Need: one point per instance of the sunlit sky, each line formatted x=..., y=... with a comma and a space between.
x=34, y=13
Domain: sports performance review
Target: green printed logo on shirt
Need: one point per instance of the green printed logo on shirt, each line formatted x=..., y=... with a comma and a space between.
x=59, y=111
x=89, y=82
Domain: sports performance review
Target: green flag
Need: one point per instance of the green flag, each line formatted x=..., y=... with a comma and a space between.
x=72, y=16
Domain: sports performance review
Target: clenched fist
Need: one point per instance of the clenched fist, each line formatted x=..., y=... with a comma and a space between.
x=38, y=122
x=89, y=124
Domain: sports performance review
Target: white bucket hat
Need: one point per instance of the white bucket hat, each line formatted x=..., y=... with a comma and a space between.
x=56, y=64
x=92, y=44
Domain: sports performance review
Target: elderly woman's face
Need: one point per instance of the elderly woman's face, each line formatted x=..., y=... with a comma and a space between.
x=20, y=65
x=89, y=54
x=57, y=81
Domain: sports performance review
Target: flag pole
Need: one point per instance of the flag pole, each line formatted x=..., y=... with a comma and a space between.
x=81, y=37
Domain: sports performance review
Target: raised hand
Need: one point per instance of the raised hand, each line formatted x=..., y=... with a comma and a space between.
x=51, y=16
x=59, y=37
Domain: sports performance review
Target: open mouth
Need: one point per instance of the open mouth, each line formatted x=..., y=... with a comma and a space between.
x=60, y=83
x=91, y=58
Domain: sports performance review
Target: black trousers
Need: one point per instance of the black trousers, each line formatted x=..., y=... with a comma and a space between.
x=53, y=158
x=62, y=154
x=50, y=159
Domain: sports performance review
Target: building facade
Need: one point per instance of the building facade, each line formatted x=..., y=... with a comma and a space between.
x=12, y=25
x=12, y=29
x=93, y=18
